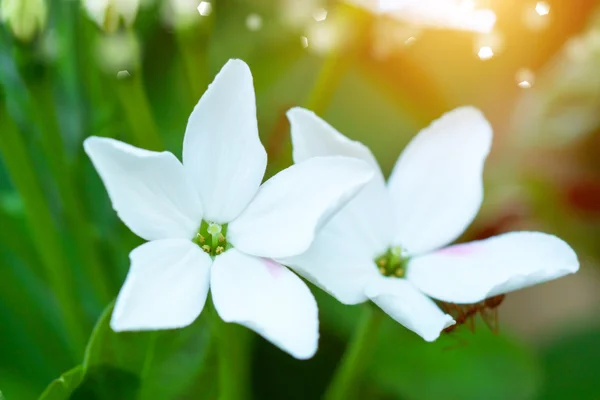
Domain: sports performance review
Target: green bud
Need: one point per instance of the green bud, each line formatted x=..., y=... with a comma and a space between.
x=25, y=18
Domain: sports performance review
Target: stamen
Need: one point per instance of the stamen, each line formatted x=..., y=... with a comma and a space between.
x=212, y=238
x=393, y=262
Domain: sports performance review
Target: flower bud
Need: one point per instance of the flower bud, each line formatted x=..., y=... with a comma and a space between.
x=24, y=17
x=109, y=13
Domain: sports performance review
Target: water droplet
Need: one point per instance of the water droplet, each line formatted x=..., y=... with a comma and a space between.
x=304, y=41
x=204, y=8
x=485, y=53
x=254, y=22
x=123, y=74
x=320, y=14
x=410, y=40
x=525, y=78
x=542, y=8
x=537, y=18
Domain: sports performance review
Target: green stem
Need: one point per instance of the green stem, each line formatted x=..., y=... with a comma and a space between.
x=327, y=81
x=43, y=229
x=357, y=355
x=339, y=60
x=149, y=355
x=232, y=347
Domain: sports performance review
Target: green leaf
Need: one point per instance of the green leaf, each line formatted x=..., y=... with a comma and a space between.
x=2, y=396
x=150, y=365
x=458, y=366
x=571, y=366
x=462, y=365
x=63, y=387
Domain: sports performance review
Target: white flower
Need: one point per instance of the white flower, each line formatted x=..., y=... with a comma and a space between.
x=210, y=222
x=109, y=13
x=398, y=229
x=452, y=14
x=25, y=18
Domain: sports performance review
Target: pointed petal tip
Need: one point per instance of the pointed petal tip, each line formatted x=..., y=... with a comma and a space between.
x=471, y=116
x=90, y=143
x=435, y=334
x=236, y=66
x=298, y=111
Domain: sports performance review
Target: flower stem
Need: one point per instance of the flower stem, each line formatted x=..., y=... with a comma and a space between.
x=150, y=351
x=232, y=347
x=357, y=355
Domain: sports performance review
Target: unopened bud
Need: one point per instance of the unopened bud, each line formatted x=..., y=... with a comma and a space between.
x=25, y=18
x=108, y=14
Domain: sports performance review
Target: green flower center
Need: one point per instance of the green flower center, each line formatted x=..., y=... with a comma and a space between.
x=392, y=263
x=212, y=238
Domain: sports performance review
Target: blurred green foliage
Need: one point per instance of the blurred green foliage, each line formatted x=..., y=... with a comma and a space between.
x=58, y=229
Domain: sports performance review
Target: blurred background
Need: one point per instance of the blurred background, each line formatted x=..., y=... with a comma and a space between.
x=68, y=71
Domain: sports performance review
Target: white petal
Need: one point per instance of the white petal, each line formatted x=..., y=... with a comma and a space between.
x=314, y=137
x=371, y=209
x=436, y=185
x=338, y=262
x=148, y=190
x=166, y=286
x=407, y=305
x=222, y=152
x=267, y=298
x=289, y=208
x=471, y=272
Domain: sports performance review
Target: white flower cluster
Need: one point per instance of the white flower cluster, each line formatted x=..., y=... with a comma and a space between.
x=330, y=217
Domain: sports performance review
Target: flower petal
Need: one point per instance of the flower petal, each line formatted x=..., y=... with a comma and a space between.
x=148, y=190
x=314, y=137
x=371, y=209
x=222, y=152
x=166, y=286
x=471, y=272
x=407, y=305
x=289, y=208
x=337, y=262
x=436, y=185
x=267, y=298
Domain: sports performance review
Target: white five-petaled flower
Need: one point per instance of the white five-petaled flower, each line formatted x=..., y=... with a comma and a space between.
x=452, y=14
x=387, y=244
x=210, y=222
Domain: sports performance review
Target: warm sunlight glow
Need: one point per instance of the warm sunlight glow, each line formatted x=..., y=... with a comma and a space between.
x=453, y=14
